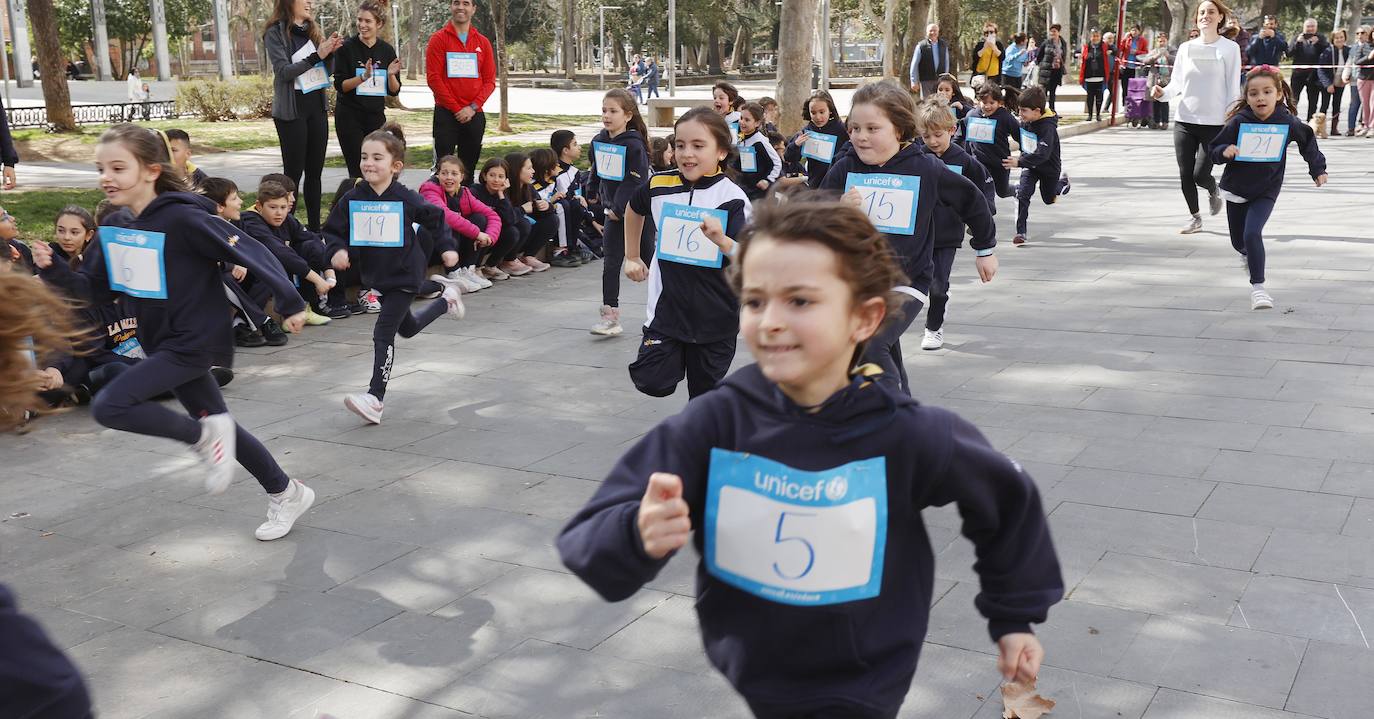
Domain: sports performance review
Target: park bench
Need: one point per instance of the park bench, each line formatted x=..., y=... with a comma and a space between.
x=663, y=110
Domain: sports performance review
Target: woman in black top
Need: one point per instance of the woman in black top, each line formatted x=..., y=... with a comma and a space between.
x=300, y=58
x=360, y=107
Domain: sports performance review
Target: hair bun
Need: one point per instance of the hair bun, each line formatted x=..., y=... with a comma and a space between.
x=394, y=128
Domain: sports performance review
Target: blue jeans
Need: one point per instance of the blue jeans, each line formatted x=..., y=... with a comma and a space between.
x=1353, y=118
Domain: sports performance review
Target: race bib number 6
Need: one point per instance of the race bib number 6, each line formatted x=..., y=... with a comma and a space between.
x=375, y=223
x=135, y=263
x=797, y=537
x=1261, y=142
x=888, y=200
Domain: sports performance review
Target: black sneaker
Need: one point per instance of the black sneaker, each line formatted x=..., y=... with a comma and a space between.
x=356, y=308
x=565, y=259
x=222, y=375
x=334, y=312
x=585, y=255
x=273, y=334
x=244, y=336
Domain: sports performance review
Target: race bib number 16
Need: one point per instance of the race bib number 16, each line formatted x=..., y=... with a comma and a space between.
x=797, y=537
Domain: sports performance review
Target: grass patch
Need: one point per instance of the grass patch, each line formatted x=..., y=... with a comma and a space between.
x=422, y=156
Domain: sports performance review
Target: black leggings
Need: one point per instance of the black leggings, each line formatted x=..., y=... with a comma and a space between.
x=303, y=142
x=396, y=318
x=1246, y=220
x=613, y=245
x=1316, y=94
x=1050, y=81
x=351, y=125
x=1335, y=115
x=942, y=260
x=125, y=404
x=1092, y=105
x=885, y=348
x=1192, y=150
x=463, y=139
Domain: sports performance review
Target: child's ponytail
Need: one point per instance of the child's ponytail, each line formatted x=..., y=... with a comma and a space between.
x=149, y=148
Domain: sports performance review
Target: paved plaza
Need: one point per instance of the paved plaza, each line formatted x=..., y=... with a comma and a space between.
x=1208, y=470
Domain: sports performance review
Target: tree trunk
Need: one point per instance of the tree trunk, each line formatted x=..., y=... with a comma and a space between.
x=1271, y=7
x=738, y=59
x=1178, y=16
x=917, y=17
x=498, y=10
x=947, y=15
x=569, y=61
x=794, y=59
x=1094, y=14
x=713, y=52
x=415, y=58
x=56, y=98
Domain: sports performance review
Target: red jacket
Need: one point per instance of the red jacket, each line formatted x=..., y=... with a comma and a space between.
x=467, y=205
x=455, y=93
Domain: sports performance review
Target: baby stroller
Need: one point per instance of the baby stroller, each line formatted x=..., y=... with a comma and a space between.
x=1139, y=106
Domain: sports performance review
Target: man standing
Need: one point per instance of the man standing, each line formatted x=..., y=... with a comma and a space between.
x=460, y=68
x=930, y=60
x=1269, y=47
x=1053, y=56
x=1307, y=49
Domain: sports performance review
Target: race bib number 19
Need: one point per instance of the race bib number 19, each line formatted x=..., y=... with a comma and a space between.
x=134, y=261
x=1261, y=142
x=375, y=223
x=888, y=200
x=797, y=537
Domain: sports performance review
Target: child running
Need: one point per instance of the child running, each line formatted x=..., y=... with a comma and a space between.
x=373, y=225
x=1039, y=158
x=937, y=126
x=800, y=483
x=726, y=101
x=759, y=165
x=988, y=129
x=696, y=211
x=165, y=261
x=821, y=138
x=899, y=185
x=1253, y=144
x=620, y=164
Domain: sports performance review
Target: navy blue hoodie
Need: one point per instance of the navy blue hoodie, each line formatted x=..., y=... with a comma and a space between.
x=938, y=186
x=1044, y=159
x=992, y=154
x=297, y=248
x=194, y=320
x=614, y=194
x=390, y=268
x=1255, y=180
x=838, y=656
x=949, y=226
x=815, y=169
x=111, y=334
x=37, y=681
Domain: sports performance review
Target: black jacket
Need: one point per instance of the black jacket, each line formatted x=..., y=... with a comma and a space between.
x=390, y=268
x=1307, y=53
x=615, y=193
x=1254, y=180
x=1045, y=157
x=351, y=57
x=815, y=169
x=839, y=657
x=949, y=225
x=992, y=154
x=37, y=681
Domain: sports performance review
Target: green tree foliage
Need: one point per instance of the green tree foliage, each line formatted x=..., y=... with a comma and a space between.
x=129, y=24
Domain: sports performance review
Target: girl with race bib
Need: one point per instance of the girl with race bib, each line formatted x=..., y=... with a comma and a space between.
x=694, y=211
x=164, y=259
x=899, y=184
x=1253, y=144
x=757, y=163
x=620, y=164
x=800, y=483
x=988, y=130
x=374, y=225
x=727, y=101
x=820, y=140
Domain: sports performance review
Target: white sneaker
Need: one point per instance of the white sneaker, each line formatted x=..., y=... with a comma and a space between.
x=366, y=406
x=1260, y=300
x=283, y=510
x=216, y=447
x=464, y=283
x=933, y=340
x=472, y=274
x=1194, y=225
x=610, y=322
x=371, y=301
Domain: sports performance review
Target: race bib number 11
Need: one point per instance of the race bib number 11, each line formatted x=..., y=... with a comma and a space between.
x=797, y=537
x=1261, y=142
x=888, y=200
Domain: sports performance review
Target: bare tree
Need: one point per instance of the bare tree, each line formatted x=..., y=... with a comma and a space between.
x=569, y=61
x=1178, y=15
x=888, y=22
x=794, y=59
x=947, y=14
x=56, y=98
x=917, y=16
x=415, y=56
x=499, y=12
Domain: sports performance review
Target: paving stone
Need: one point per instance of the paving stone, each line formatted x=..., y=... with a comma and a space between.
x=1172, y=704
x=1352, y=478
x=1224, y=662
x=1182, y=539
x=669, y=635
x=1360, y=523
x=1145, y=456
x=1082, y=694
x=1157, y=586
x=421, y=581
x=1332, y=681
x=950, y=682
x=353, y=700
x=1270, y=470
x=65, y=627
x=1320, y=557
x=1270, y=507
x=1311, y=610
x=1129, y=490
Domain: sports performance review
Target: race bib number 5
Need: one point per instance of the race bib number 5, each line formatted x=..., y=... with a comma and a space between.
x=1259, y=142
x=888, y=200
x=681, y=240
x=796, y=537
x=375, y=223
x=135, y=263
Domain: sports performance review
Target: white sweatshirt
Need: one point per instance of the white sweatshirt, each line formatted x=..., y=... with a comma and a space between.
x=1205, y=82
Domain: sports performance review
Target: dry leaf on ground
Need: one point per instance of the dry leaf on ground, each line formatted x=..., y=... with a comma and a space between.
x=1019, y=701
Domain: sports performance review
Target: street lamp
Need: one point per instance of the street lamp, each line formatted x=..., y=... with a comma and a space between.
x=672, y=48
x=601, y=67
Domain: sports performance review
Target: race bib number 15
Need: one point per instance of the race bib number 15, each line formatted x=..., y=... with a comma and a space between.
x=888, y=200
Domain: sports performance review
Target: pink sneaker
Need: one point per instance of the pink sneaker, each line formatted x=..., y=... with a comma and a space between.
x=534, y=264
x=515, y=268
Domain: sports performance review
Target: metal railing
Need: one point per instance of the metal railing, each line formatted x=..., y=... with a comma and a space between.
x=97, y=114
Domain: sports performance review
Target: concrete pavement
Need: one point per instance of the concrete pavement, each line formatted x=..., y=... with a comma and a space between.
x=1208, y=470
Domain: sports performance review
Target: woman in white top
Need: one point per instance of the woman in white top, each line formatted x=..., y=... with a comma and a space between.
x=1205, y=82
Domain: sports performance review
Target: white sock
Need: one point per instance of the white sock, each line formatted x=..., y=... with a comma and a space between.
x=1255, y=286
x=288, y=493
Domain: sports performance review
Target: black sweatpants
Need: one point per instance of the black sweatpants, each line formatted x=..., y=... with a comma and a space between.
x=351, y=126
x=613, y=244
x=1306, y=80
x=396, y=318
x=885, y=348
x=125, y=404
x=942, y=259
x=1192, y=152
x=1092, y=104
x=663, y=361
x=1246, y=221
x=303, y=142
x=1050, y=187
x=463, y=139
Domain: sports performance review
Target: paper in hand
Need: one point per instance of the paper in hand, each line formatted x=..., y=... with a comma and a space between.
x=1019, y=701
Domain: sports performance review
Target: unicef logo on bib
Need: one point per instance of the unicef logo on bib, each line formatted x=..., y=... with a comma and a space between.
x=793, y=536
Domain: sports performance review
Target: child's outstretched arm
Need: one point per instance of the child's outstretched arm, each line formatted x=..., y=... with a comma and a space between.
x=1000, y=506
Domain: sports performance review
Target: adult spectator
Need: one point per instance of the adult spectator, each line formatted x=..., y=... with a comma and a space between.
x=1129, y=51
x=651, y=78
x=1307, y=49
x=1094, y=66
x=1113, y=68
x=1204, y=85
x=1052, y=56
x=1269, y=46
x=929, y=62
x=366, y=71
x=8, y=155
x=300, y=57
x=1364, y=69
x=461, y=70
x=1241, y=37
x=1331, y=77
x=1018, y=56
x=987, y=54
x=1354, y=73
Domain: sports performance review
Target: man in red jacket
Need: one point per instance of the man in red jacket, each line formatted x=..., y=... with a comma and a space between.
x=460, y=67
